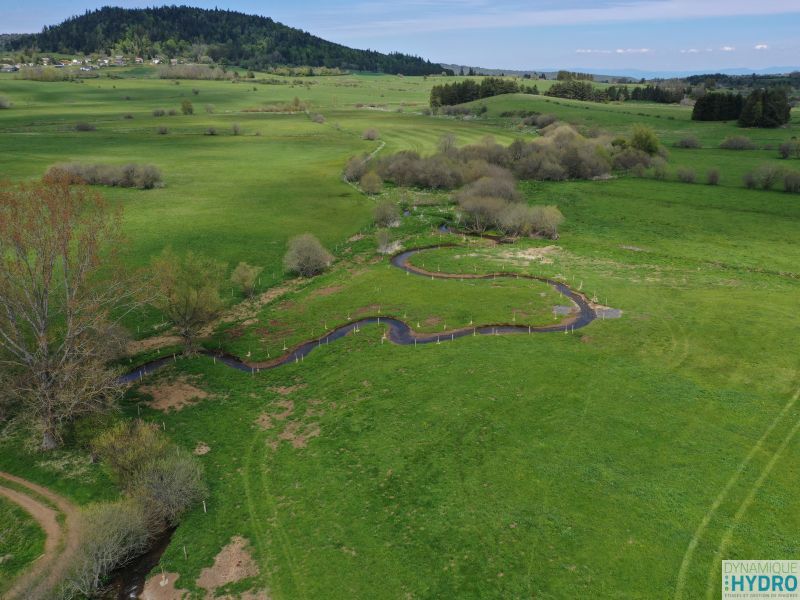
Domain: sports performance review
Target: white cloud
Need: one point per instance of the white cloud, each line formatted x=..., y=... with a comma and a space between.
x=690, y=51
x=591, y=51
x=761, y=47
x=728, y=49
x=632, y=50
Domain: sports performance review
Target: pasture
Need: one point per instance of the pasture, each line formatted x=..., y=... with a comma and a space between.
x=623, y=460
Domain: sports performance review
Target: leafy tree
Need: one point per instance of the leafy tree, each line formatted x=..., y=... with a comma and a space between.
x=187, y=291
x=644, y=138
x=766, y=108
x=61, y=297
x=371, y=183
x=187, y=108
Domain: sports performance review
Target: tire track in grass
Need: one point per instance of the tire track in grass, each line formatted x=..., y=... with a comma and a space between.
x=744, y=506
x=722, y=496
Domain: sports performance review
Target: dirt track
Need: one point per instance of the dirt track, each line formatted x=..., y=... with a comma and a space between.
x=62, y=539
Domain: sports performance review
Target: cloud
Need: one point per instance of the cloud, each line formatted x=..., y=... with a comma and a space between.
x=632, y=50
x=590, y=51
x=761, y=47
x=728, y=49
x=690, y=51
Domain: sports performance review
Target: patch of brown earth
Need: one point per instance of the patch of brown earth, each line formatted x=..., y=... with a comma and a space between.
x=327, y=291
x=431, y=321
x=357, y=237
x=286, y=390
x=162, y=587
x=233, y=563
x=202, y=449
x=152, y=343
x=264, y=422
x=173, y=395
x=529, y=255
x=298, y=433
x=288, y=409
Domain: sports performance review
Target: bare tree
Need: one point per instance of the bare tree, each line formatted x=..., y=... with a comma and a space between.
x=371, y=183
x=387, y=214
x=58, y=288
x=306, y=256
x=187, y=291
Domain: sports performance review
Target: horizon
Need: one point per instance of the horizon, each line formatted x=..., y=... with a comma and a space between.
x=615, y=35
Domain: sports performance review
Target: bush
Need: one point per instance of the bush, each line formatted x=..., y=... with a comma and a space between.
x=659, y=168
x=737, y=142
x=169, y=485
x=712, y=177
x=371, y=134
x=84, y=126
x=236, y=129
x=546, y=220
x=195, y=91
x=383, y=240
x=767, y=176
x=387, y=214
x=791, y=182
x=644, y=138
x=246, y=277
x=172, y=112
x=133, y=175
x=631, y=158
x=127, y=116
x=127, y=447
x=318, y=118
x=162, y=130
x=686, y=175
x=749, y=181
x=371, y=183
x=4, y=103
x=187, y=108
x=211, y=131
x=210, y=108
x=306, y=256
x=543, y=121
x=112, y=535
x=355, y=168
x=789, y=149
x=689, y=141
x=159, y=112
x=477, y=214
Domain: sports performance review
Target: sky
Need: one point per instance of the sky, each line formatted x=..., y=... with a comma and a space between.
x=651, y=35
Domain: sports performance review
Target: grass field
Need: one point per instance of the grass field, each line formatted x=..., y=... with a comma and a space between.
x=21, y=542
x=621, y=461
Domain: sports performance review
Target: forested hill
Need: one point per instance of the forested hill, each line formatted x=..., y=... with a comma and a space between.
x=225, y=36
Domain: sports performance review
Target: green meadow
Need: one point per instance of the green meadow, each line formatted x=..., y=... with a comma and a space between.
x=623, y=460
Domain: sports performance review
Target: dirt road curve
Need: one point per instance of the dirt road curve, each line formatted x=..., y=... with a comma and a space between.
x=38, y=581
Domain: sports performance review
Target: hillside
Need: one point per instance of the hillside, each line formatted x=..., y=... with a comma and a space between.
x=248, y=40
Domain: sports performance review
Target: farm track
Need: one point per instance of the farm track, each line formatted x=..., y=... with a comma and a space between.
x=399, y=332
x=61, y=542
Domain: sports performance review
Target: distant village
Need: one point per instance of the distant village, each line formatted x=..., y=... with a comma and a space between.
x=85, y=64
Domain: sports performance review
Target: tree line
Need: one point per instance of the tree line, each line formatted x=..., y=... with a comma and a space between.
x=763, y=108
x=450, y=94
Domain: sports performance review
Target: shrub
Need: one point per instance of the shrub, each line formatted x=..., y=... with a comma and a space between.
x=211, y=131
x=318, y=118
x=644, y=138
x=210, y=108
x=371, y=183
x=127, y=446
x=478, y=214
x=195, y=91
x=159, y=112
x=169, y=485
x=162, y=130
x=387, y=214
x=371, y=134
x=172, y=112
x=112, y=535
x=127, y=116
x=133, y=175
x=306, y=256
x=789, y=149
x=749, y=181
x=187, y=108
x=543, y=121
x=767, y=176
x=659, y=168
x=689, y=141
x=355, y=168
x=5, y=102
x=383, y=240
x=791, y=182
x=631, y=158
x=236, y=129
x=712, y=177
x=546, y=220
x=246, y=277
x=737, y=142
x=492, y=187
x=517, y=219
x=84, y=126
x=686, y=175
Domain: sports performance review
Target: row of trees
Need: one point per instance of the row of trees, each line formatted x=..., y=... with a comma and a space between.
x=461, y=92
x=763, y=108
x=64, y=292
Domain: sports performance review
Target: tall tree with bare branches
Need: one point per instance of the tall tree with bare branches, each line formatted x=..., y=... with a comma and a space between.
x=57, y=295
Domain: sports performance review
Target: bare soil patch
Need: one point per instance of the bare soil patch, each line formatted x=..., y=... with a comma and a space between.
x=530, y=255
x=152, y=343
x=327, y=291
x=233, y=563
x=202, y=449
x=173, y=395
x=264, y=422
x=286, y=390
x=298, y=434
x=163, y=587
x=288, y=409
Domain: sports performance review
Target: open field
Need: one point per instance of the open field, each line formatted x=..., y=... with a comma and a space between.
x=621, y=461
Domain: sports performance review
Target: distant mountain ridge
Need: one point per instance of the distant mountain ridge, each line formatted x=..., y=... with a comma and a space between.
x=251, y=41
